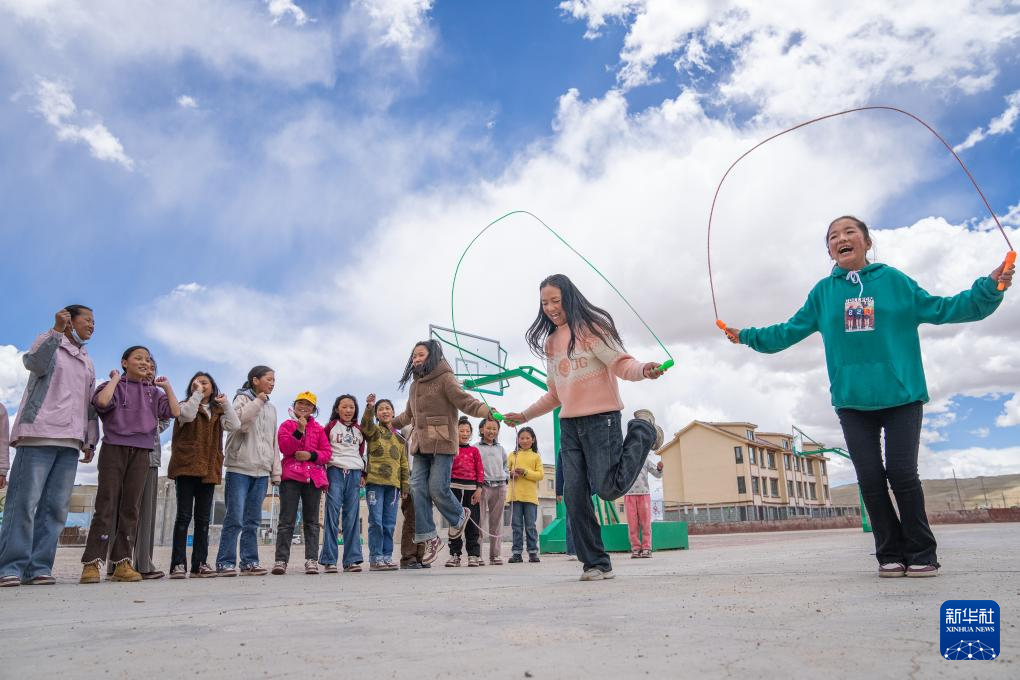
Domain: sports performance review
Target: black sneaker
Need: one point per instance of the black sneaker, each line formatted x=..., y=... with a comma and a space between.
x=411, y=565
x=533, y=558
x=515, y=559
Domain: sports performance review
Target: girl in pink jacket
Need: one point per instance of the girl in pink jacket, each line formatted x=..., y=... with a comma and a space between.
x=306, y=451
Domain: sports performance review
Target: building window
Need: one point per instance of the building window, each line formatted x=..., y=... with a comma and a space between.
x=738, y=454
x=808, y=468
x=796, y=464
x=786, y=444
x=789, y=488
x=551, y=484
x=741, y=485
x=786, y=462
x=774, y=487
x=826, y=486
x=754, y=486
x=772, y=461
x=822, y=463
x=800, y=489
x=750, y=435
x=811, y=491
x=752, y=455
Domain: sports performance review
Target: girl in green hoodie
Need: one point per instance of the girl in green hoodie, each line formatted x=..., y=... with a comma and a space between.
x=868, y=314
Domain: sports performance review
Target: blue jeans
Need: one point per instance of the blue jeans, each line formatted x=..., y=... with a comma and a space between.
x=243, y=495
x=523, y=517
x=38, y=495
x=344, y=495
x=597, y=457
x=383, y=503
x=569, y=534
x=430, y=483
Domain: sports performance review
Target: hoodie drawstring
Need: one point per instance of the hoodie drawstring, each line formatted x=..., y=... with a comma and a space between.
x=855, y=277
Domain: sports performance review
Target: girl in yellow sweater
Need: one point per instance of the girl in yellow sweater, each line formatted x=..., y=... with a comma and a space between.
x=526, y=471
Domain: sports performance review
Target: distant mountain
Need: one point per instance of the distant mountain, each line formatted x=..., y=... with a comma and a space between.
x=941, y=494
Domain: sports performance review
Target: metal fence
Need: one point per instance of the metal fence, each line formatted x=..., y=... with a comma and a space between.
x=704, y=514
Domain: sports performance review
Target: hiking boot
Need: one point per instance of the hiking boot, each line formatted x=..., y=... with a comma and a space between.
x=311, y=567
x=432, y=548
x=455, y=532
x=225, y=572
x=330, y=569
x=256, y=570
x=90, y=573
x=596, y=574
x=454, y=561
x=125, y=573
x=178, y=571
x=533, y=558
x=922, y=570
x=42, y=580
x=279, y=569
x=514, y=559
x=204, y=571
x=892, y=570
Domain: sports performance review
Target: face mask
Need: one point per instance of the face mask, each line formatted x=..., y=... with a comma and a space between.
x=78, y=339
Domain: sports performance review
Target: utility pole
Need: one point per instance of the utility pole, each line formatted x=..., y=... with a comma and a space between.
x=958, y=495
x=983, y=490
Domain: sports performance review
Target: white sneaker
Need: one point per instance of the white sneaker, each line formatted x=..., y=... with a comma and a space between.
x=455, y=532
x=596, y=574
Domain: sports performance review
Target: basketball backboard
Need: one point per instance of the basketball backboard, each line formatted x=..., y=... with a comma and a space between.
x=472, y=356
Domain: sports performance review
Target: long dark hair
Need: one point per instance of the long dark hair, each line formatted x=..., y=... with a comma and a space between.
x=335, y=413
x=203, y=374
x=256, y=373
x=435, y=356
x=581, y=316
x=534, y=439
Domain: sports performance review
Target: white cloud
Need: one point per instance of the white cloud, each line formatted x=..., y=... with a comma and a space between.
x=970, y=462
x=1010, y=415
x=233, y=38
x=54, y=103
x=784, y=53
x=278, y=9
x=402, y=26
x=187, y=102
x=1000, y=125
x=981, y=432
x=13, y=376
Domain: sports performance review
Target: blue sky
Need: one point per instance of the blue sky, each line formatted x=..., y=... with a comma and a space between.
x=270, y=180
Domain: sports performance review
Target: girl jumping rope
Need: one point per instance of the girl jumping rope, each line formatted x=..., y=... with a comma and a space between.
x=877, y=379
x=584, y=358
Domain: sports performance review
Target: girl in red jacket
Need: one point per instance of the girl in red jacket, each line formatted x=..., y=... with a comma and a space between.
x=466, y=480
x=306, y=451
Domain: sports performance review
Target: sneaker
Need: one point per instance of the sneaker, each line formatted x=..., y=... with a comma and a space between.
x=330, y=569
x=455, y=532
x=152, y=575
x=225, y=572
x=515, y=559
x=647, y=554
x=533, y=558
x=454, y=561
x=90, y=573
x=279, y=569
x=646, y=415
x=352, y=568
x=204, y=571
x=634, y=554
x=125, y=573
x=178, y=571
x=922, y=570
x=571, y=558
x=379, y=566
x=411, y=565
x=596, y=574
x=391, y=565
x=9, y=581
x=660, y=436
x=891, y=570
x=42, y=580
x=311, y=567
x=479, y=562
x=254, y=570
x=496, y=561
x=432, y=548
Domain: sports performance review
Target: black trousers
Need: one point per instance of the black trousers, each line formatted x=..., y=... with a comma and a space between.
x=471, y=532
x=906, y=537
x=194, y=499
x=290, y=493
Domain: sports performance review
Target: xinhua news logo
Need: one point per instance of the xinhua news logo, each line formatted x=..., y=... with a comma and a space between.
x=970, y=630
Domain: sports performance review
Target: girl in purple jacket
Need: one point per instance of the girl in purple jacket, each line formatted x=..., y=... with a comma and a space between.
x=305, y=452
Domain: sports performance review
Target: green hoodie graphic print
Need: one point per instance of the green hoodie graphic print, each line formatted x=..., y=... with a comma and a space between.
x=872, y=349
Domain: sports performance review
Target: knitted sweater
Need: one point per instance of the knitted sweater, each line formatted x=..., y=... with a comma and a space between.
x=584, y=384
x=524, y=489
x=387, y=455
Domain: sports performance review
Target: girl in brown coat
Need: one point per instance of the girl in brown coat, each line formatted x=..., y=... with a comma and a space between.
x=432, y=407
x=196, y=464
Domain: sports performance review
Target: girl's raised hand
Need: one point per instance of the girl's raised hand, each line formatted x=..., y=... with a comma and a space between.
x=221, y=399
x=115, y=376
x=197, y=387
x=370, y=401
x=658, y=466
x=60, y=320
x=733, y=335
x=162, y=382
x=652, y=370
x=1004, y=277
x=263, y=396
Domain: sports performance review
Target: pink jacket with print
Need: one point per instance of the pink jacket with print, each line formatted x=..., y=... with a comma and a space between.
x=314, y=441
x=58, y=399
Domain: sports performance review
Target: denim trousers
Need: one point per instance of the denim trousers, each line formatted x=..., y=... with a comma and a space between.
x=523, y=519
x=343, y=514
x=430, y=485
x=243, y=495
x=383, y=502
x=38, y=495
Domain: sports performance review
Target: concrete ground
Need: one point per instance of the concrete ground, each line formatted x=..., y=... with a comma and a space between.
x=793, y=605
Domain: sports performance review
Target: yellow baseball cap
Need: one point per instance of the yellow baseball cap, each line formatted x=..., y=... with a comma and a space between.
x=307, y=396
